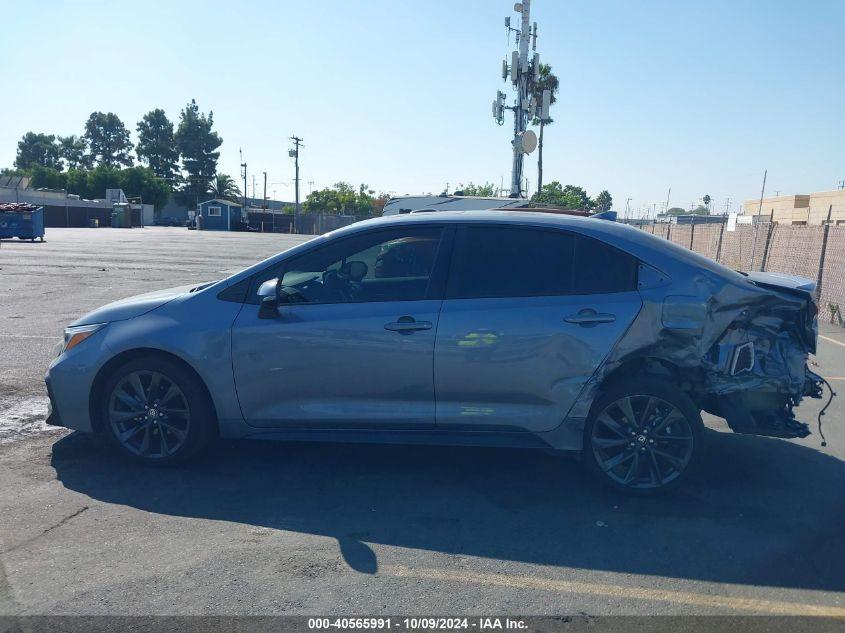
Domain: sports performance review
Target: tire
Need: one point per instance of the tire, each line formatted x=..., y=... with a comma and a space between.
x=654, y=454
x=174, y=418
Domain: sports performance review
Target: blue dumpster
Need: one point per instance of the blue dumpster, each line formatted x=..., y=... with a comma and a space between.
x=24, y=221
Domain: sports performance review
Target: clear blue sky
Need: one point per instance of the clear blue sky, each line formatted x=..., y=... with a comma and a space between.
x=396, y=94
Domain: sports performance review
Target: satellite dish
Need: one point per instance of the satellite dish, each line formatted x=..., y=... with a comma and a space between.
x=518, y=7
x=528, y=141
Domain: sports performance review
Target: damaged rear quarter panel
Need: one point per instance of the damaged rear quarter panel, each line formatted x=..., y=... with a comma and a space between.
x=697, y=315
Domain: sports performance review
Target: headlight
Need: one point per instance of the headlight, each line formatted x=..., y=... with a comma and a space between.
x=76, y=334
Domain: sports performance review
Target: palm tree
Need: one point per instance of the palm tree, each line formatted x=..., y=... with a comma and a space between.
x=225, y=188
x=547, y=81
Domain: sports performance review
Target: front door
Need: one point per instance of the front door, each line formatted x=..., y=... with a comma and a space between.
x=357, y=349
x=529, y=315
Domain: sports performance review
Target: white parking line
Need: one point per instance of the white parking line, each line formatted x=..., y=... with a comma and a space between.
x=47, y=338
x=832, y=340
x=735, y=603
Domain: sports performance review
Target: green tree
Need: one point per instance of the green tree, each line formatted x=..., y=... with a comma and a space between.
x=568, y=197
x=142, y=183
x=39, y=150
x=706, y=199
x=547, y=81
x=157, y=144
x=676, y=211
x=73, y=150
x=341, y=198
x=46, y=178
x=76, y=182
x=486, y=190
x=224, y=187
x=136, y=182
x=108, y=140
x=198, y=144
x=603, y=201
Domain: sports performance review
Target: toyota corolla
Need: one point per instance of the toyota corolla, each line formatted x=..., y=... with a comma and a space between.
x=503, y=328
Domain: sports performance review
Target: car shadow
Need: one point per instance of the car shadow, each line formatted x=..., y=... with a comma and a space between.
x=760, y=511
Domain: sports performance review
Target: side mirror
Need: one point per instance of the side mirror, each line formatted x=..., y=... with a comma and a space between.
x=272, y=294
x=268, y=295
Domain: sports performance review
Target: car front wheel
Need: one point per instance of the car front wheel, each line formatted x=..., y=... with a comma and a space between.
x=643, y=436
x=156, y=411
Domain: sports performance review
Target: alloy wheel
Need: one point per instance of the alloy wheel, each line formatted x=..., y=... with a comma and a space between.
x=642, y=441
x=149, y=414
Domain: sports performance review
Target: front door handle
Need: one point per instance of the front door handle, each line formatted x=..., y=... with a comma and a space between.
x=589, y=317
x=406, y=325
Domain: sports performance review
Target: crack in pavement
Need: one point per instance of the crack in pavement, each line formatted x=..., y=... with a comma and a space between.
x=69, y=517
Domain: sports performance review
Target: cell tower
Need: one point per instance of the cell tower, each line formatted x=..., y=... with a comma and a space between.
x=524, y=75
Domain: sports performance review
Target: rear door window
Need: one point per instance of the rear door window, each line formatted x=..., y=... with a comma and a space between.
x=510, y=261
x=601, y=268
x=507, y=261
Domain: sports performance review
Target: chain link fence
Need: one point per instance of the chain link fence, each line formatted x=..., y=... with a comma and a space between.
x=816, y=252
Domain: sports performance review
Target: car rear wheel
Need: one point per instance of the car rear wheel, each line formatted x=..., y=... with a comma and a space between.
x=643, y=436
x=156, y=411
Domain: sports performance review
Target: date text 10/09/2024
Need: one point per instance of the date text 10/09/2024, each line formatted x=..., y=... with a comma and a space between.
x=421, y=623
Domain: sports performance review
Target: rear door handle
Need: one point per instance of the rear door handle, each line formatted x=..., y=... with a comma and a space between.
x=406, y=325
x=589, y=317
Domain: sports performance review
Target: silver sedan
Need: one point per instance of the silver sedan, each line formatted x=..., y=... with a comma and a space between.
x=508, y=328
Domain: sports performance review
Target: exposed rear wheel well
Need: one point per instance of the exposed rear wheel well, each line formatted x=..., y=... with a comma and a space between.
x=685, y=379
x=129, y=355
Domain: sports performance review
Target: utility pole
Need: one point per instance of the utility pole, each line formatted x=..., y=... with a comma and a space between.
x=294, y=153
x=253, y=186
x=757, y=220
x=524, y=75
x=627, y=207
x=668, y=194
x=762, y=192
x=264, y=200
x=243, y=175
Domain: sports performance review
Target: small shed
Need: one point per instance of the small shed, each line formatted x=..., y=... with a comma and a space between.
x=219, y=215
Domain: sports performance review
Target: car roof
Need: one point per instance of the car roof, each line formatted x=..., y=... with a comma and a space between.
x=586, y=225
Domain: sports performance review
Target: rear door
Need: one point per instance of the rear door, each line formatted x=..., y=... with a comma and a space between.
x=529, y=315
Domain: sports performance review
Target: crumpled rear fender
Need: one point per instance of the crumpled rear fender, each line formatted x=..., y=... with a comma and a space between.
x=701, y=326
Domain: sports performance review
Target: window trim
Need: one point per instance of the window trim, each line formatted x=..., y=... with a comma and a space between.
x=212, y=214
x=436, y=283
x=461, y=229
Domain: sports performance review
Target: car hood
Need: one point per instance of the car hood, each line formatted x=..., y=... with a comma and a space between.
x=132, y=307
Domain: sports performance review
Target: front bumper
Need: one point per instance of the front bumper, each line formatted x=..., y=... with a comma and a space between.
x=69, y=381
x=53, y=417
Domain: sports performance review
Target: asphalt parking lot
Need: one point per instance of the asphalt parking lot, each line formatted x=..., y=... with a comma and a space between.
x=267, y=528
